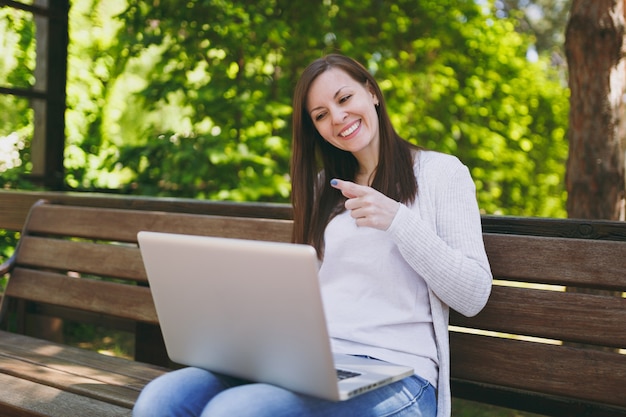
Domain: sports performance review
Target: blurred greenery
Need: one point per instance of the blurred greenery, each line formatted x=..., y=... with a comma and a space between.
x=194, y=99
x=100, y=339
x=466, y=408
x=8, y=240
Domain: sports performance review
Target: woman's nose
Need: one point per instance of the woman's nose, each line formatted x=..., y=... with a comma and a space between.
x=338, y=115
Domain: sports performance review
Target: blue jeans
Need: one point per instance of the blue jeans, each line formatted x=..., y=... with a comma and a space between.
x=196, y=392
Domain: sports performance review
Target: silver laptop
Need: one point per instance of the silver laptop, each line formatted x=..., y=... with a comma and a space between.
x=253, y=310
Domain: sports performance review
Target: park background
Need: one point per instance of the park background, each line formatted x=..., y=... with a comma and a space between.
x=193, y=99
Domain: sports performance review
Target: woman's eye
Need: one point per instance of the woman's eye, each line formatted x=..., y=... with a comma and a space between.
x=345, y=98
x=319, y=116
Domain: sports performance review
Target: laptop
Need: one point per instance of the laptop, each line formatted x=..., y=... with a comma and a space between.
x=252, y=310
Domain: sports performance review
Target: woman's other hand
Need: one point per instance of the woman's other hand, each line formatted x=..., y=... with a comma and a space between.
x=369, y=207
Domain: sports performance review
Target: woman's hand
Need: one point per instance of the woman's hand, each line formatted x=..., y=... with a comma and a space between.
x=368, y=206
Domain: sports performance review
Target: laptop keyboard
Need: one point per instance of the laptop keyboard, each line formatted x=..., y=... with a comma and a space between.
x=343, y=374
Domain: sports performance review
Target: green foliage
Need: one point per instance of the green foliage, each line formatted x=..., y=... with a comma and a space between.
x=455, y=76
x=466, y=408
x=208, y=167
x=19, y=28
x=226, y=81
x=100, y=339
x=194, y=99
x=476, y=96
x=8, y=241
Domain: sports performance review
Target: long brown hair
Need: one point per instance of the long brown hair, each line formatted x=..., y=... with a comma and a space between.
x=315, y=162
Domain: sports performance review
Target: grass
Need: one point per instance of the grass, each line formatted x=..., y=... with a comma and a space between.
x=465, y=408
x=100, y=339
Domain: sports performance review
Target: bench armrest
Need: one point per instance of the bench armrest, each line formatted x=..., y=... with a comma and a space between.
x=7, y=265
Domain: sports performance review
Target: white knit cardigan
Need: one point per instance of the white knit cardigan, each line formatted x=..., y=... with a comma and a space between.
x=440, y=236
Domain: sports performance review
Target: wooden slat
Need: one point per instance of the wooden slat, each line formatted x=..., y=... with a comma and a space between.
x=118, y=225
x=573, y=317
x=71, y=380
x=559, y=261
x=173, y=205
x=549, y=227
x=25, y=345
x=73, y=371
x=60, y=380
x=590, y=375
x=528, y=401
x=10, y=410
x=105, y=260
x=117, y=300
x=21, y=397
x=14, y=205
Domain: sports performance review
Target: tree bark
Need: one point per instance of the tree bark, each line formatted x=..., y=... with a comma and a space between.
x=594, y=46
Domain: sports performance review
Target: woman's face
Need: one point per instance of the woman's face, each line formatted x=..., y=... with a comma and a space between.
x=343, y=112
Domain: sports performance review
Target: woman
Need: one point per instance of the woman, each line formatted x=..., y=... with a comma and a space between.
x=402, y=240
x=398, y=233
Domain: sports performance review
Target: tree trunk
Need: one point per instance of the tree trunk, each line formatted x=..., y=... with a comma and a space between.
x=595, y=47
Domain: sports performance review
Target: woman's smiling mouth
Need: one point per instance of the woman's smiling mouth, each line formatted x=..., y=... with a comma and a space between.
x=351, y=129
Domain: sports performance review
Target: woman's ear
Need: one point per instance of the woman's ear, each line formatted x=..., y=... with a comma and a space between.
x=370, y=89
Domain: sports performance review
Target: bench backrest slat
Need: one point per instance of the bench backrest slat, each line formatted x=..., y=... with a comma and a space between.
x=567, y=316
x=104, y=260
x=112, y=299
x=559, y=261
x=581, y=374
x=123, y=225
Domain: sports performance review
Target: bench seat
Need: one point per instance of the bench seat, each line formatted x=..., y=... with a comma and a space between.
x=53, y=379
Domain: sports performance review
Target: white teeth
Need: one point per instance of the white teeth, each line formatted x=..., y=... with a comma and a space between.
x=350, y=130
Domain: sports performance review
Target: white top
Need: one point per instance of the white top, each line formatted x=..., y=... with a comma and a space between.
x=386, y=294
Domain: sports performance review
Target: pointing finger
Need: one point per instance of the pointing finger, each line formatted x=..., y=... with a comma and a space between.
x=347, y=188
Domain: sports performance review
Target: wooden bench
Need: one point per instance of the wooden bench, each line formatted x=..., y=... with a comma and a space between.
x=535, y=347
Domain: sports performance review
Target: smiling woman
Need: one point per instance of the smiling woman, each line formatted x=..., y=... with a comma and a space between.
x=348, y=97
x=384, y=216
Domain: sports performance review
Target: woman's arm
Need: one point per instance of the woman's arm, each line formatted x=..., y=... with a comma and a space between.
x=450, y=256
